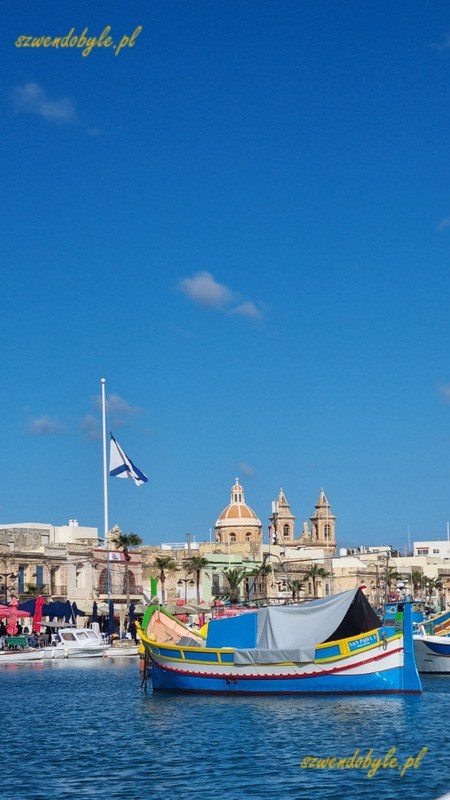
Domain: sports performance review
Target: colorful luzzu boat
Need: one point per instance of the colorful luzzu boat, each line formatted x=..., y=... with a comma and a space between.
x=332, y=645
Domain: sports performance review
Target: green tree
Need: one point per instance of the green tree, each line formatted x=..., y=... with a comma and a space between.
x=432, y=585
x=164, y=563
x=123, y=541
x=391, y=576
x=314, y=572
x=259, y=575
x=234, y=576
x=196, y=564
x=416, y=580
x=296, y=585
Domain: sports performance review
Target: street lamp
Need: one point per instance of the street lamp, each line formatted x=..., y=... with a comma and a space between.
x=5, y=576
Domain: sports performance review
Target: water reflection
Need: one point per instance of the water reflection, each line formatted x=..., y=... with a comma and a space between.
x=100, y=737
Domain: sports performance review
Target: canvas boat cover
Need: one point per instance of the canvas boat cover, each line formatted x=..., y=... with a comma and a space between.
x=292, y=633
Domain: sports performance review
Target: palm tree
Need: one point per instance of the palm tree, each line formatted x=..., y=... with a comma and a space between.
x=260, y=573
x=391, y=576
x=234, y=576
x=196, y=564
x=416, y=580
x=431, y=585
x=314, y=572
x=124, y=541
x=163, y=563
x=296, y=586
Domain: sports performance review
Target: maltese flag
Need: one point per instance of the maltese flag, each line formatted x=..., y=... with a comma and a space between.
x=120, y=466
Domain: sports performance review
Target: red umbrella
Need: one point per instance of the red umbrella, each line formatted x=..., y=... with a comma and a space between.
x=5, y=611
x=37, y=614
x=12, y=626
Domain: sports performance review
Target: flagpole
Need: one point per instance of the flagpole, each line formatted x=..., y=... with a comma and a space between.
x=105, y=487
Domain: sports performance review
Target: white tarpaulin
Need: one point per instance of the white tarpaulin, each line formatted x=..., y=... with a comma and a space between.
x=292, y=633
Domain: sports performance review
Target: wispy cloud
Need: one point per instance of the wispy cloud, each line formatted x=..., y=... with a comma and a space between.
x=33, y=99
x=248, y=309
x=91, y=427
x=118, y=410
x=246, y=470
x=444, y=391
x=45, y=426
x=444, y=223
x=115, y=404
x=202, y=288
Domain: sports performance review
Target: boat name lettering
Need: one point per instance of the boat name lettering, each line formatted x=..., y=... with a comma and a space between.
x=362, y=642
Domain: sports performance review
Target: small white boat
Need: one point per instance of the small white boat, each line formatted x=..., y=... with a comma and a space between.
x=22, y=656
x=432, y=653
x=122, y=650
x=76, y=643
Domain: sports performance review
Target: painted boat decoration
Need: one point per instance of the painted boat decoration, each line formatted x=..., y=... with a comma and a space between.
x=160, y=626
x=332, y=645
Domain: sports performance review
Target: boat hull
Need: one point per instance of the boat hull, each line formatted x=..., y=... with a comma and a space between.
x=73, y=652
x=121, y=652
x=373, y=671
x=432, y=654
x=21, y=656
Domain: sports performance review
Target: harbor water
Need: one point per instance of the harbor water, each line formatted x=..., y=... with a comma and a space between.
x=87, y=730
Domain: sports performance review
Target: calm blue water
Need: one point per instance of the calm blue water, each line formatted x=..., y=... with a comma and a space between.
x=86, y=730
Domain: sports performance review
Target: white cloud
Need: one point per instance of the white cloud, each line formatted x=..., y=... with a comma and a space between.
x=246, y=470
x=32, y=99
x=248, y=309
x=115, y=404
x=203, y=289
x=45, y=426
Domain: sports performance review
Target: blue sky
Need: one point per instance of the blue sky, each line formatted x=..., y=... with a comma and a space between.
x=242, y=223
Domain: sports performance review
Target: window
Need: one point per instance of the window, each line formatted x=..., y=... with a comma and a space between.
x=286, y=532
x=21, y=579
x=327, y=532
x=422, y=551
x=435, y=551
x=219, y=537
x=40, y=577
x=232, y=537
x=248, y=536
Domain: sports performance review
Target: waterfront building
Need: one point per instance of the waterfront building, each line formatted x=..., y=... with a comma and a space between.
x=64, y=562
x=436, y=549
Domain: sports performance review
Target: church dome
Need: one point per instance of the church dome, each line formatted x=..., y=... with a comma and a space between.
x=237, y=513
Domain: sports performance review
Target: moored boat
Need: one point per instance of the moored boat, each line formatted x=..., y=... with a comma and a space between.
x=123, y=649
x=76, y=643
x=22, y=656
x=332, y=645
